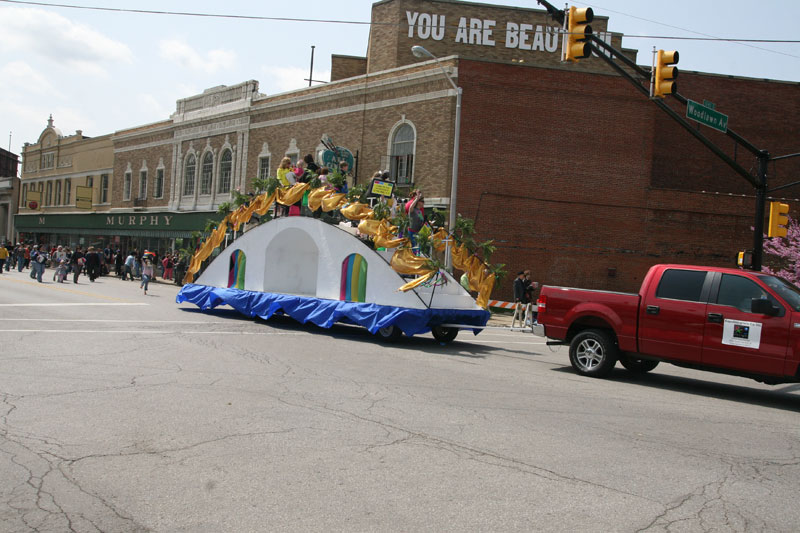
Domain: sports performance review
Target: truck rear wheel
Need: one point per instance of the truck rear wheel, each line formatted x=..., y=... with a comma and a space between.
x=593, y=353
x=636, y=364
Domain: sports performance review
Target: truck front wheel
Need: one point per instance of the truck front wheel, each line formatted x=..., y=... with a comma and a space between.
x=593, y=353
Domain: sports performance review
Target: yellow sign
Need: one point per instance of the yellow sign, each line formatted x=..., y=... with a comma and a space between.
x=83, y=197
x=33, y=199
x=382, y=188
x=83, y=193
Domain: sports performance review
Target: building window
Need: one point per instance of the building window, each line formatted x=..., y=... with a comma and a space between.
x=158, y=191
x=126, y=187
x=206, y=174
x=48, y=160
x=89, y=181
x=67, y=191
x=24, y=201
x=225, y=165
x=188, y=175
x=263, y=168
x=142, y=185
x=49, y=193
x=402, y=156
x=58, y=193
x=104, y=188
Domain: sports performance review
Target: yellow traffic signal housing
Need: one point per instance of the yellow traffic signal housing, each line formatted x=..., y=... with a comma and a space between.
x=578, y=32
x=664, y=82
x=778, y=219
x=745, y=259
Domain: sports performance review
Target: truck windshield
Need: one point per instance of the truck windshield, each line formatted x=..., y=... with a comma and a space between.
x=787, y=291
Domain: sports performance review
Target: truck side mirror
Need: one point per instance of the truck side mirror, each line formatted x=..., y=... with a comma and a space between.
x=763, y=307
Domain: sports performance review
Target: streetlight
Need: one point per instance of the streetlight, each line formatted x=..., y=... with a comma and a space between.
x=421, y=52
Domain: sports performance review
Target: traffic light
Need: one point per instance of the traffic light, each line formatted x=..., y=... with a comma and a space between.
x=664, y=82
x=778, y=219
x=578, y=32
x=745, y=259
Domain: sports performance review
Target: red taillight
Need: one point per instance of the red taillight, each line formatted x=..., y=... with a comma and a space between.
x=541, y=303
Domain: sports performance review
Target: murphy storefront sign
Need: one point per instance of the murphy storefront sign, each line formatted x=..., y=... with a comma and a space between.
x=168, y=224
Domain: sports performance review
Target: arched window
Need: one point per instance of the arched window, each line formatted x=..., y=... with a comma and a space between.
x=225, y=165
x=49, y=193
x=402, y=157
x=188, y=175
x=207, y=172
x=58, y=192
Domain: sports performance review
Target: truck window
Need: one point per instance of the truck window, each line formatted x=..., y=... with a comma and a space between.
x=681, y=285
x=787, y=291
x=737, y=291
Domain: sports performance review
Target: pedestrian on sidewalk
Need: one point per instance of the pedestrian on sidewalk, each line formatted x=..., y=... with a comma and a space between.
x=130, y=262
x=3, y=257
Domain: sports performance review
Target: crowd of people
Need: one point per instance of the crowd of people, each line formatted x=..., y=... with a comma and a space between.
x=92, y=261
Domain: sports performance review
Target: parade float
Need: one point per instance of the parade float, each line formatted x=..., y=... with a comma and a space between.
x=318, y=272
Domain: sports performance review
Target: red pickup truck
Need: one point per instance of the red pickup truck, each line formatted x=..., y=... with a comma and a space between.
x=723, y=320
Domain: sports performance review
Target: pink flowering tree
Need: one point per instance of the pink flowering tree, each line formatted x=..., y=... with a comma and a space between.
x=783, y=254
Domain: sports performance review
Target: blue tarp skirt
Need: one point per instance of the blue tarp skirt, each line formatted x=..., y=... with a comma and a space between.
x=326, y=313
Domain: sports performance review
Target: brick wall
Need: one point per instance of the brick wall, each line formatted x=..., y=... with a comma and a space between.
x=601, y=183
x=343, y=67
x=434, y=24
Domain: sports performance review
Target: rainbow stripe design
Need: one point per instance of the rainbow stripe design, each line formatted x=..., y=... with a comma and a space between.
x=236, y=270
x=354, y=279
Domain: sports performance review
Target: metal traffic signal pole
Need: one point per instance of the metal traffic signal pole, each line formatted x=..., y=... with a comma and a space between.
x=759, y=182
x=761, y=200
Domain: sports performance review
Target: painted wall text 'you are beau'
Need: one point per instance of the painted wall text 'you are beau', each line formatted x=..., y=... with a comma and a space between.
x=481, y=32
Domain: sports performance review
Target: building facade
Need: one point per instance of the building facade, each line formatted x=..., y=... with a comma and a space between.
x=9, y=194
x=567, y=167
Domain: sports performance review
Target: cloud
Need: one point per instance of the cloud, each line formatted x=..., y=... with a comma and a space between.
x=184, y=55
x=282, y=79
x=152, y=109
x=20, y=77
x=56, y=38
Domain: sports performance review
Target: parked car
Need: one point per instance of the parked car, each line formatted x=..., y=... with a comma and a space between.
x=731, y=321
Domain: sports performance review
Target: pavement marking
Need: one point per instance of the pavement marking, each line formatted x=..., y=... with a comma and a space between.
x=50, y=285
x=144, y=331
x=112, y=321
x=528, y=343
x=67, y=304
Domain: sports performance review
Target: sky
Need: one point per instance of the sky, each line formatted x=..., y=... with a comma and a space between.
x=101, y=71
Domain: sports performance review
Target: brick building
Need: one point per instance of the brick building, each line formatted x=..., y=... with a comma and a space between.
x=567, y=167
x=9, y=194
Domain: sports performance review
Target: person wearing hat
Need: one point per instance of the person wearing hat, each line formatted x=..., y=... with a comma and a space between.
x=38, y=260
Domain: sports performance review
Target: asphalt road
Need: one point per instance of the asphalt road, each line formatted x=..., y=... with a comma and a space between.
x=125, y=412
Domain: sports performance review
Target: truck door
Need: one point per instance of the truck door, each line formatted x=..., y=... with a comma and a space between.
x=739, y=339
x=672, y=315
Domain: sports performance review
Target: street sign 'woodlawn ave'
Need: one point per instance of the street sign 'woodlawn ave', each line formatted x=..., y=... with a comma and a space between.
x=707, y=116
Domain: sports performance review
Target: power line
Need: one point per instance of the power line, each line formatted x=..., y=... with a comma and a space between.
x=742, y=42
x=705, y=37
x=182, y=13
